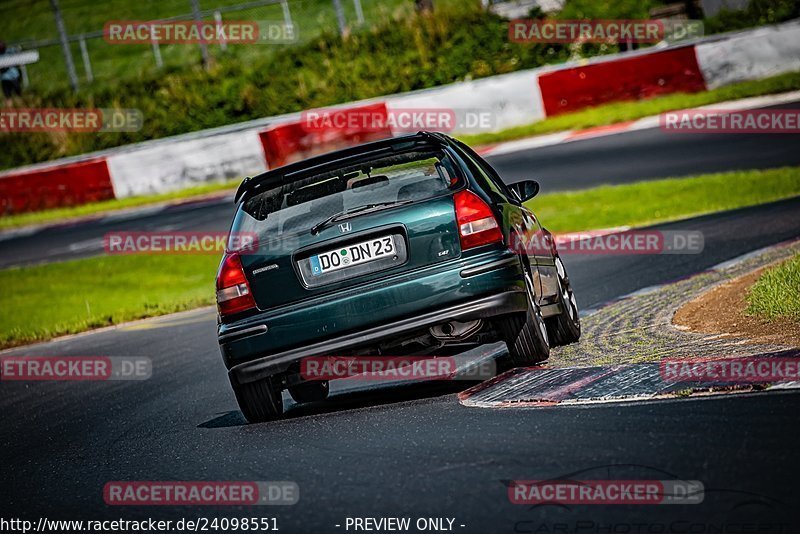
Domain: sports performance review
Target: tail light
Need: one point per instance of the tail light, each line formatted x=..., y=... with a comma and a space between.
x=233, y=291
x=476, y=223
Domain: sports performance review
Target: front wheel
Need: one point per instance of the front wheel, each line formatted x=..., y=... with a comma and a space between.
x=259, y=401
x=525, y=333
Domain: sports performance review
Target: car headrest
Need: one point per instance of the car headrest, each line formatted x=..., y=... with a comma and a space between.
x=418, y=190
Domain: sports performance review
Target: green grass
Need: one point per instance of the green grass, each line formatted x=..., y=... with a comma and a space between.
x=106, y=206
x=645, y=203
x=776, y=294
x=629, y=111
x=63, y=298
x=42, y=302
x=24, y=20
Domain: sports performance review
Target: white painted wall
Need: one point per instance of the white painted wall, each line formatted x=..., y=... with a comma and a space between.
x=171, y=166
x=508, y=100
x=750, y=55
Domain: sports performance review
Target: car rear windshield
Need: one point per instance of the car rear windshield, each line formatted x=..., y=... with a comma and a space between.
x=300, y=205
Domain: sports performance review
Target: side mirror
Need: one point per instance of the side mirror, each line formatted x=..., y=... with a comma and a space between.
x=526, y=189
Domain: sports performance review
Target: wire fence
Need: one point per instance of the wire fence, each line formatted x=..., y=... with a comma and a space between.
x=32, y=25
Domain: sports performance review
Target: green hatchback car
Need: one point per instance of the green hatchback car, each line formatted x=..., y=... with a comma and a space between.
x=406, y=246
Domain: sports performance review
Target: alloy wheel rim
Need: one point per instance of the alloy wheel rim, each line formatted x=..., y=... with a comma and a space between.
x=567, y=296
x=536, y=312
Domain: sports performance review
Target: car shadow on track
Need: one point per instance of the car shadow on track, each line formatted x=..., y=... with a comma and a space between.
x=350, y=400
x=471, y=367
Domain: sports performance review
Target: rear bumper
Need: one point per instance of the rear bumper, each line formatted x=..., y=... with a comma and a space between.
x=487, y=306
x=357, y=308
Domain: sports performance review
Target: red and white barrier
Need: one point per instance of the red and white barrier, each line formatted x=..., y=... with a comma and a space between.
x=319, y=131
x=511, y=100
x=633, y=77
x=55, y=186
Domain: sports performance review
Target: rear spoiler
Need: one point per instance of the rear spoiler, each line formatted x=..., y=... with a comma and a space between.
x=318, y=164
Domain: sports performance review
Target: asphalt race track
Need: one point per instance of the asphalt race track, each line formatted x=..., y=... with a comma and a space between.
x=408, y=451
x=615, y=159
x=647, y=154
x=412, y=451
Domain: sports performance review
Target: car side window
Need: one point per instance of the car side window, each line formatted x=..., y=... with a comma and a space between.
x=486, y=170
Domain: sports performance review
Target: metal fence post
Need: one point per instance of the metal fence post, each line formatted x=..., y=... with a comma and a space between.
x=62, y=36
x=359, y=12
x=157, y=54
x=337, y=4
x=287, y=15
x=87, y=64
x=223, y=44
x=199, y=19
x=25, y=80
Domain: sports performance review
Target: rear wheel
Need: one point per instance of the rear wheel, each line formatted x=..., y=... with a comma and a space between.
x=565, y=328
x=259, y=401
x=313, y=391
x=526, y=333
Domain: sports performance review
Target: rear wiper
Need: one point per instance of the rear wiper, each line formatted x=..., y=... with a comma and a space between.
x=317, y=228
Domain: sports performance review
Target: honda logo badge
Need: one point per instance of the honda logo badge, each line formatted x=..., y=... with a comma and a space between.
x=345, y=227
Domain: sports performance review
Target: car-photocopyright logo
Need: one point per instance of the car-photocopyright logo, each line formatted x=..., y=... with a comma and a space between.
x=611, y=242
x=200, y=493
x=85, y=120
x=74, y=368
x=179, y=242
x=568, y=503
x=700, y=121
x=736, y=370
x=602, y=31
x=137, y=32
x=397, y=119
x=606, y=492
x=390, y=368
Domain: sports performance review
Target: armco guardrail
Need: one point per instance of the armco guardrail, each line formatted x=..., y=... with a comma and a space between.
x=512, y=99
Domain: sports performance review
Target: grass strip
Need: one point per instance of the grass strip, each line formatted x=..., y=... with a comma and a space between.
x=645, y=203
x=46, y=301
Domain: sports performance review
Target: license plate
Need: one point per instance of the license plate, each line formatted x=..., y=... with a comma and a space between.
x=350, y=255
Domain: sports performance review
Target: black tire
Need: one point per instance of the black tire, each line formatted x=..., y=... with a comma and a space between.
x=564, y=328
x=259, y=401
x=312, y=391
x=525, y=334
